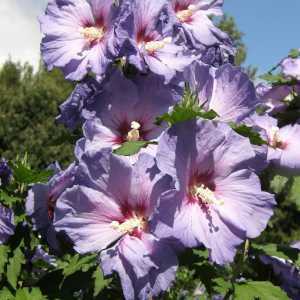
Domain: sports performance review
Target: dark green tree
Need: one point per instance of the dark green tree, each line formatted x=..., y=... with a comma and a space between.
x=227, y=24
x=29, y=103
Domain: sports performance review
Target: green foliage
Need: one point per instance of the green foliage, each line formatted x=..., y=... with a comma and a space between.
x=74, y=263
x=24, y=174
x=29, y=104
x=262, y=290
x=100, y=282
x=14, y=267
x=294, y=53
x=187, y=109
x=248, y=132
x=131, y=148
x=29, y=294
x=4, y=251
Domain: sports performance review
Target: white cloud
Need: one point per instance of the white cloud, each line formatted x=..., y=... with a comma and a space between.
x=19, y=30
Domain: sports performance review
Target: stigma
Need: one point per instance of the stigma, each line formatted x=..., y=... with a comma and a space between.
x=130, y=225
x=205, y=195
x=134, y=134
x=186, y=14
x=92, y=33
x=157, y=45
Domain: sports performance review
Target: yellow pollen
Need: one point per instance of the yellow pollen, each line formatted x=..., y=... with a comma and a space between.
x=92, y=33
x=157, y=45
x=274, y=138
x=134, y=134
x=184, y=15
x=204, y=194
x=290, y=97
x=136, y=222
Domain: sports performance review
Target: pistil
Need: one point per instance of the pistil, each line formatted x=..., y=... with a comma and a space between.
x=186, y=14
x=153, y=46
x=134, y=134
x=274, y=138
x=130, y=225
x=92, y=33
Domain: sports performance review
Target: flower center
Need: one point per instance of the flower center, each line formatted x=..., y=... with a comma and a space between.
x=92, y=33
x=186, y=14
x=274, y=138
x=134, y=134
x=205, y=195
x=157, y=45
x=129, y=226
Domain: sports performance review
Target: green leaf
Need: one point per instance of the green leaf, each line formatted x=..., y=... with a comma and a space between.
x=278, y=183
x=75, y=263
x=248, y=132
x=14, y=267
x=294, y=53
x=5, y=294
x=131, y=148
x=187, y=109
x=27, y=294
x=281, y=251
x=4, y=250
x=294, y=193
x=203, y=254
x=100, y=281
x=262, y=290
x=271, y=78
x=9, y=200
x=221, y=286
x=24, y=175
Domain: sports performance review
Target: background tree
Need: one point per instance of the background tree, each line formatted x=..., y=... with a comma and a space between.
x=227, y=24
x=29, y=103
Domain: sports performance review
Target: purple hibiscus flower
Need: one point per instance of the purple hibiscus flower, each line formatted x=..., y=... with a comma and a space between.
x=82, y=36
x=75, y=109
x=112, y=215
x=226, y=90
x=218, y=55
x=219, y=202
x=291, y=67
x=151, y=45
x=128, y=112
x=7, y=227
x=41, y=201
x=276, y=98
x=5, y=172
x=283, y=143
x=192, y=22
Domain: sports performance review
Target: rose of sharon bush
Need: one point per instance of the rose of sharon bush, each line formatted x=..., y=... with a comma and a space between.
x=82, y=36
x=41, y=202
x=219, y=202
x=113, y=213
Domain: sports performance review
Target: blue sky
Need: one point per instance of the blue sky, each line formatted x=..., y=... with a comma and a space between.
x=271, y=29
